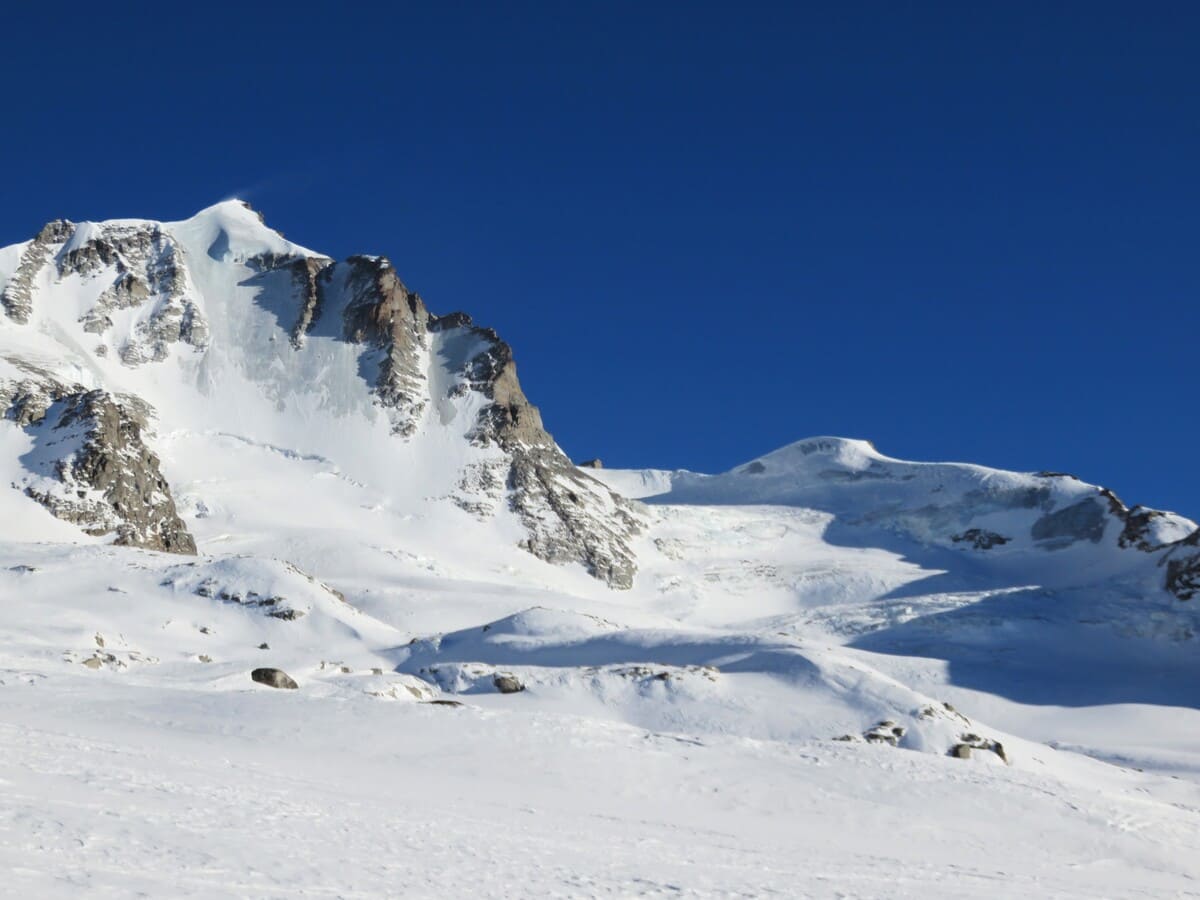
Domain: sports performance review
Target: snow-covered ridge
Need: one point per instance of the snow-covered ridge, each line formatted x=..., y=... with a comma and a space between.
x=1023, y=521
x=218, y=324
x=280, y=544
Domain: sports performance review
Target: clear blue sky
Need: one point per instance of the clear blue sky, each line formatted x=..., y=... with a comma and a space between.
x=963, y=231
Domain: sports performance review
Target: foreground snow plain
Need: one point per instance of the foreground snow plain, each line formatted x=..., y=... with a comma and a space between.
x=626, y=768
x=777, y=707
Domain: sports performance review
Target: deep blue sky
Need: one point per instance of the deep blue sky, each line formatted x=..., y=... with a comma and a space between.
x=707, y=230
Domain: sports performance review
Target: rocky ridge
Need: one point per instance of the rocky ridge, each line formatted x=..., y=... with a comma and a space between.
x=91, y=464
x=143, y=303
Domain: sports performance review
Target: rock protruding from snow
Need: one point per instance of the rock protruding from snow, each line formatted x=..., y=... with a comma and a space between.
x=570, y=518
x=90, y=464
x=17, y=297
x=384, y=313
x=275, y=678
x=508, y=684
x=1183, y=567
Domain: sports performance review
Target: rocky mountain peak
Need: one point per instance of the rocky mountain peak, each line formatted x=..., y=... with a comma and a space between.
x=204, y=303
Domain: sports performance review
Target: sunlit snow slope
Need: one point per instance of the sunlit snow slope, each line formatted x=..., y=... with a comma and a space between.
x=825, y=672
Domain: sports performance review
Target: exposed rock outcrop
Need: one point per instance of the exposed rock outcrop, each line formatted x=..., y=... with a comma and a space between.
x=569, y=516
x=970, y=741
x=885, y=732
x=17, y=298
x=90, y=464
x=508, y=684
x=422, y=369
x=384, y=313
x=145, y=268
x=275, y=678
x=981, y=539
x=1183, y=567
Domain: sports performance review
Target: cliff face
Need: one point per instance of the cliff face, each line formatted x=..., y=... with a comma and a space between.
x=569, y=517
x=90, y=464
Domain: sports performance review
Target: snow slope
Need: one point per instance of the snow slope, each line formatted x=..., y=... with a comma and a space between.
x=832, y=673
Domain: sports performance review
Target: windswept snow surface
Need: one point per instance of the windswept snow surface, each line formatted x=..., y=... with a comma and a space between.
x=836, y=674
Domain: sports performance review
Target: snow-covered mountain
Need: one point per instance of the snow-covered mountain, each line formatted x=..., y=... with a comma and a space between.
x=217, y=328
x=223, y=453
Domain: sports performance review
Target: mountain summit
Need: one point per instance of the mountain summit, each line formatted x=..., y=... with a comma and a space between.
x=120, y=334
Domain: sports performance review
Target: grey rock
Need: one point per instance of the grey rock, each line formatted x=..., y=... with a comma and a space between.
x=147, y=270
x=981, y=539
x=569, y=517
x=969, y=742
x=275, y=678
x=385, y=314
x=1082, y=521
x=885, y=732
x=1136, y=533
x=1183, y=567
x=508, y=684
x=592, y=464
x=17, y=298
x=92, y=443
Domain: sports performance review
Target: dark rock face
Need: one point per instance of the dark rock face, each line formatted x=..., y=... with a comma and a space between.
x=508, y=684
x=17, y=298
x=885, y=732
x=1136, y=533
x=969, y=742
x=146, y=268
x=1183, y=567
x=97, y=471
x=1081, y=521
x=569, y=516
x=383, y=313
x=275, y=678
x=980, y=539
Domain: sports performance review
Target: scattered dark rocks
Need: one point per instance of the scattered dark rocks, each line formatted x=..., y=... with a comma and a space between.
x=1082, y=521
x=275, y=678
x=442, y=702
x=981, y=539
x=970, y=741
x=1183, y=568
x=885, y=732
x=264, y=646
